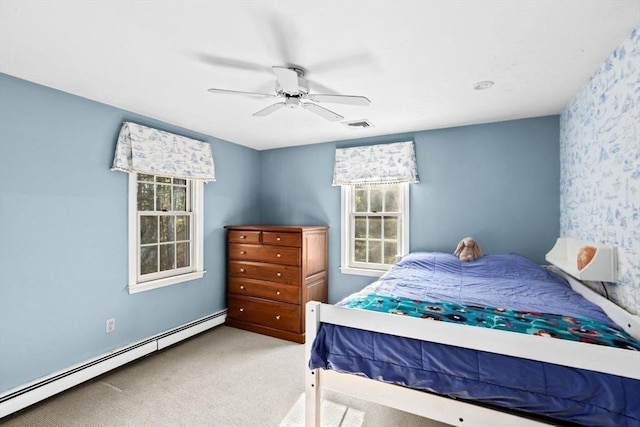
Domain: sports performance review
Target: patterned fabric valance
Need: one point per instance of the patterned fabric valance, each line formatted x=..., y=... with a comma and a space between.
x=141, y=149
x=376, y=164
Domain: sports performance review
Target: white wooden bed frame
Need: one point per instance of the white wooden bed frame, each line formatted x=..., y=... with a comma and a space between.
x=448, y=410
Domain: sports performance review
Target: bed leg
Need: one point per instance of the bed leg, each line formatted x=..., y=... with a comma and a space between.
x=312, y=392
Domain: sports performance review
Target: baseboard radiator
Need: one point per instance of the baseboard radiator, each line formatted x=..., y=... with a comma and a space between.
x=28, y=394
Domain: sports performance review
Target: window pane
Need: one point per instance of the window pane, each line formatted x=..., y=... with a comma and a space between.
x=182, y=227
x=148, y=259
x=390, y=227
x=391, y=200
x=166, y=234
x=360, y=251
x=375, y=251
x=375, y=228
x=376, y=201
x=163, y=198
x=376, y=225
x=390, y=251
x=180, y=198
x=167, y=257
x=166, y=229
x=360, y=200
x=182, y=255
x=360, y=227
x=148, y=229
x=145, y=197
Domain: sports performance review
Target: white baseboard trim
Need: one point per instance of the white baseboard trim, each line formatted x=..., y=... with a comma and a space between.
x=27, y=394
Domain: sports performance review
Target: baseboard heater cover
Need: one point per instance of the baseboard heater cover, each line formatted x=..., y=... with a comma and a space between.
x=28, y=394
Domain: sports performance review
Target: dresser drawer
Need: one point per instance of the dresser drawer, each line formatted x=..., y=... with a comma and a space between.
x=271, y=254
x=266, y=313
x=272, y=291
x=269, y=272
x=281, y=239
x=241, y=236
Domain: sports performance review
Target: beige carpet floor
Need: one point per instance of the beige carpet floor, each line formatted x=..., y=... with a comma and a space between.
x=223, y=377
x=333, y=415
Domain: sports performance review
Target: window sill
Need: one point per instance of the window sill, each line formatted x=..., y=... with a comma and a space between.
x=154, y=284
x=362, y=271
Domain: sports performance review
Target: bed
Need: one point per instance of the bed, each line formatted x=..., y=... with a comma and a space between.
x=513, y=344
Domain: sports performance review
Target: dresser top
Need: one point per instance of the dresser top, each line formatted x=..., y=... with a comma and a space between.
x=281, y=228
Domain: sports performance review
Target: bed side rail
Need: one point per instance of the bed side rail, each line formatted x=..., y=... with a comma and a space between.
x=610, y=360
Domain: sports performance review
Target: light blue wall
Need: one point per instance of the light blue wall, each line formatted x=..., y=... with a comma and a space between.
x=497, y=182
x=600, y=155
x=63, y=233
x=63, y=230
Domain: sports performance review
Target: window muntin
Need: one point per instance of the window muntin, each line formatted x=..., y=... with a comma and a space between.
x=164, y=223
x=375, y=224
x=376, y=219
x=165, y=241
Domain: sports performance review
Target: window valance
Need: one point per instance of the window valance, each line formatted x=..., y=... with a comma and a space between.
x=376, y=164
x=142, y=149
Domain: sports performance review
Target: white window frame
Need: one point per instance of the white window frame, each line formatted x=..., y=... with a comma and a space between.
x=197, y=209
x=346, y=243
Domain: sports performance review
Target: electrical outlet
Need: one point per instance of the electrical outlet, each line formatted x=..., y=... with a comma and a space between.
x=111, y=325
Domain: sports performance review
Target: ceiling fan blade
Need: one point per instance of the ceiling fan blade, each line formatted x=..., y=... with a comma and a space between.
x=340, y=99
x=284, y=35
x=321, y=111
x=318, y=86
x=239, y=92
x=288, y=79
x=270, y=109
x=229, y=62
x=351, y=60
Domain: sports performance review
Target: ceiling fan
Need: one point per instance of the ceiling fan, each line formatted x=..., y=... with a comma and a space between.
x=293, y=89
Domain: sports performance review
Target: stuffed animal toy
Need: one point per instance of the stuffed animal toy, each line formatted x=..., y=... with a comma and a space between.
x=468, y=249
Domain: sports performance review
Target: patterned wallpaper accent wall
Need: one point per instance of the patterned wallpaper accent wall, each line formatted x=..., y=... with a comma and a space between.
x=600, y=166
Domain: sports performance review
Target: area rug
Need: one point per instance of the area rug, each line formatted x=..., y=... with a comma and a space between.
x=333, y=415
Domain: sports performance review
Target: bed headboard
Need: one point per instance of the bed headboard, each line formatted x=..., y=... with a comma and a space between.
x=602, y=267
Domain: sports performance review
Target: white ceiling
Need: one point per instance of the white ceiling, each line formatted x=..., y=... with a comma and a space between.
x=415, y=60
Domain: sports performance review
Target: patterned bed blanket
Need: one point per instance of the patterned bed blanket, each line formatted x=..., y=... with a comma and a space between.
x=526, y=322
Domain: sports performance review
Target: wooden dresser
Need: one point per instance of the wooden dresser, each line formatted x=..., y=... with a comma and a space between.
x=272, y=272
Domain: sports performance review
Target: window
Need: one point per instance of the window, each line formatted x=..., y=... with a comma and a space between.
x=165, y=231
x=375, y=224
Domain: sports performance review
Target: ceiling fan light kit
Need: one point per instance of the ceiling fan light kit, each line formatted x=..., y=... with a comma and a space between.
x=294, y=88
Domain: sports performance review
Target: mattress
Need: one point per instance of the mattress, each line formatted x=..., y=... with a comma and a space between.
x=504, y=291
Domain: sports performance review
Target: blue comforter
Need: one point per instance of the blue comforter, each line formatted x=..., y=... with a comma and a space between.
x=504, y=282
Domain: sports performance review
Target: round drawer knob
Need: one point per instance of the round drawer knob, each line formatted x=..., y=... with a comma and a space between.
x=278, y=255
x=277, y=292
x=242, y=252
x=242, y=309
x=241, y=287
x=279, y=274
x=277, y=317
x=242, y=270
x=243, y=237
x=278, y=239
